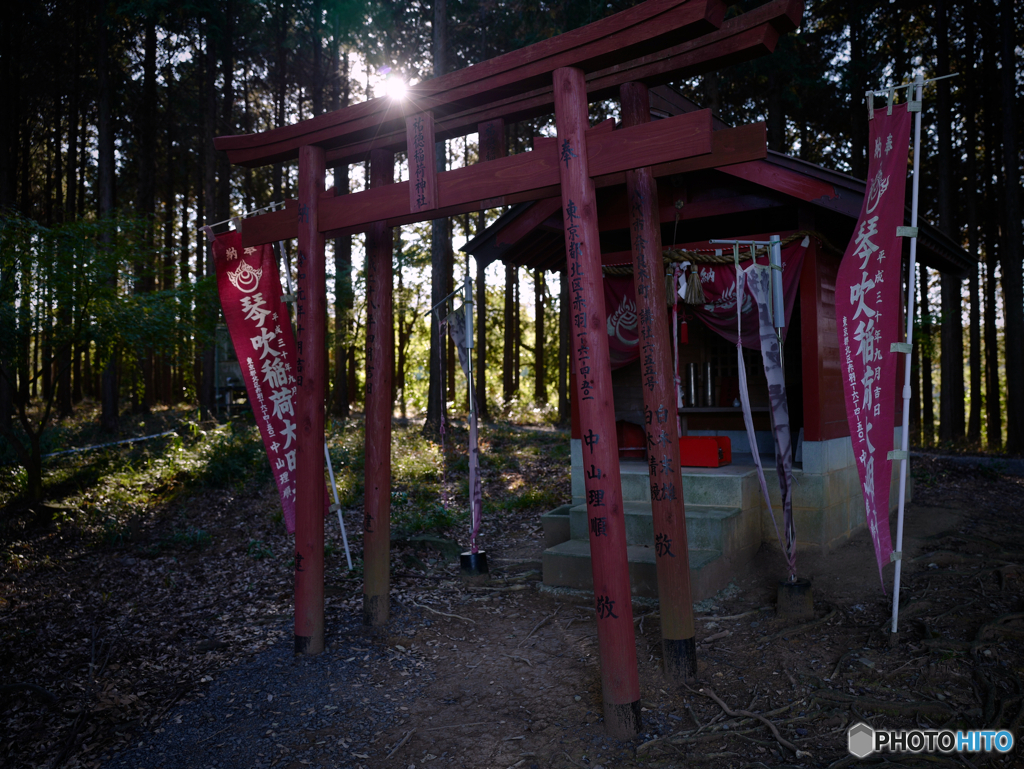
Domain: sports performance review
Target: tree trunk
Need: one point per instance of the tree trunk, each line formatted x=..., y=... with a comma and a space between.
x=971, y=186
x=438, y=274
x=857, y=68
x=208, y=388
x=25, y=185
x=712, y=93
x=46, y=335
x=491, y=146
x=343, y=305
x=776, y=115
x=6, y=399
x=227, y=117
x=89, y=388
x=281, y=28
x=64, y=399
x=1013, y=288
x=540, y=387
x=508, y=353
x=164, y=379
x=928, y=407
x=34, y=469
x=105, y=195
x=76, y=374
x=481, y=342
x=401, y=337
x=438, y=246
x=9, y=97
x=344, y=299
x=70, y=203
x=993, y=203
x=55, y=178
x=951, y=361
x=353, y=381
x=109, y=394
x=146, y=205
x=184, y=351
x=316, y=84
x=25, y=325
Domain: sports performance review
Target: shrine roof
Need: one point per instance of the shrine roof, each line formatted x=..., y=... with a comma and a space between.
x=530, y=234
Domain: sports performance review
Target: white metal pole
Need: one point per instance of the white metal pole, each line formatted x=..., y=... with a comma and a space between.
x=911, y=281
x=337, y=506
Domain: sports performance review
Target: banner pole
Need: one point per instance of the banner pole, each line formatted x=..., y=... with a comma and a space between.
x=336, y=507
x=905, y=436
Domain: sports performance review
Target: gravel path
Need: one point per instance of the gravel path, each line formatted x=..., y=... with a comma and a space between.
x=275, y=708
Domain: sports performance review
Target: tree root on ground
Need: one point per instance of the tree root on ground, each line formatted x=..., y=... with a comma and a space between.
x=798, y=629
x=988, y=633
x=43, y=694
x=708, y=691
x=925, y=707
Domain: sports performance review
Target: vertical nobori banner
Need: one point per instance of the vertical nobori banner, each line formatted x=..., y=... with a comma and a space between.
x=868, y=318
x=261, y=332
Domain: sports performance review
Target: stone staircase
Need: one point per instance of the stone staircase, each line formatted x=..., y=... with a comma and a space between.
x=723, y=529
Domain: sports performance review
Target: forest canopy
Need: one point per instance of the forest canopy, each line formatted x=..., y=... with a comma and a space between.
x=107, y=171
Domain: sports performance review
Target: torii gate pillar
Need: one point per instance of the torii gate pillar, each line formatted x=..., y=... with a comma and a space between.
x=311, y=372
x=593, y=381
x=379, y=362
x=678, y=646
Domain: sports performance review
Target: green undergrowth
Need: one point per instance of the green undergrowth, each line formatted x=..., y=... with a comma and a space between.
x=112, y=496
x=524, y=469
x=105, y=492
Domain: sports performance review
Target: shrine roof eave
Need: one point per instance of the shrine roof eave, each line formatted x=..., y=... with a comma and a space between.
x=807, y=182
x=943, y=252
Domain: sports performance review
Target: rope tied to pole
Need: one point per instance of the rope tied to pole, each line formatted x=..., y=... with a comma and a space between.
x=676, y=255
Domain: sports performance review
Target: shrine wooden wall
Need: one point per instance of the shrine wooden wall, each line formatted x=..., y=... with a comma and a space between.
x=824, y=405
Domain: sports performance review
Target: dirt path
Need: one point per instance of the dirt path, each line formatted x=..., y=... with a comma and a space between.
x=516, y=682
x=182, y=658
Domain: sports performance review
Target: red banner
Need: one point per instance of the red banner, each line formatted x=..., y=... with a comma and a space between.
x=868, y=318
x=261, y=331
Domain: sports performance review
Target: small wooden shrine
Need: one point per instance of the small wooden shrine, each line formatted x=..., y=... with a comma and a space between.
x=777, y=195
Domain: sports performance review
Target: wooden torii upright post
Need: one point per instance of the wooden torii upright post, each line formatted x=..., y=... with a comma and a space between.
x=671, y=550
x=620, y=681
x=673, y=38
x=379, y=361
x=311, y=375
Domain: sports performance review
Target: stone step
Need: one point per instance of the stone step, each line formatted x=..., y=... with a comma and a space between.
x=706, y=525
x=727, y=486
x=568, y=565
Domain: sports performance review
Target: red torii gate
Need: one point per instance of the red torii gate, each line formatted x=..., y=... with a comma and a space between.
x=646, y=45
